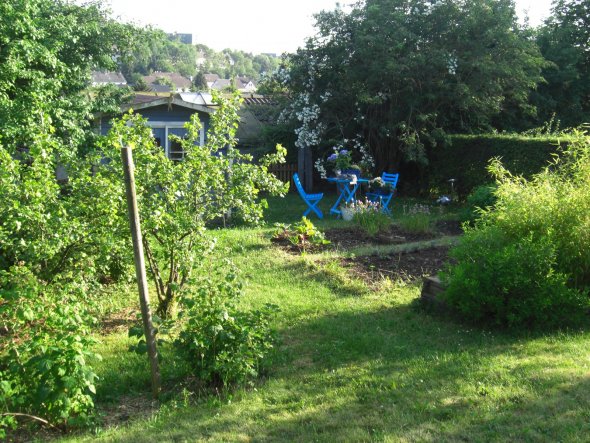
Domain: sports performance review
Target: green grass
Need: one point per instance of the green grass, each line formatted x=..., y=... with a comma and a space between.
x=361, y=365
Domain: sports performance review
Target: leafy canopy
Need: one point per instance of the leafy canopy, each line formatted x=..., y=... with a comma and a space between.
x=397, y=72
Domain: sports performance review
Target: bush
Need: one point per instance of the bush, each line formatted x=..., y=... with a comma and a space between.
x=481, y=197
x=174, y=225
x=44, y=351
x=370, y=218
x=511, y=283
x=466, y=158
x=416, y=219
x=526, y=262
x=303, y=235
x=223, y=344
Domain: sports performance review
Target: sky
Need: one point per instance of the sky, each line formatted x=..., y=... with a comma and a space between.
x=257, y=26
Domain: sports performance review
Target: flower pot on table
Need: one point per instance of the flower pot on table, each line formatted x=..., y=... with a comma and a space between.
x=355, y=172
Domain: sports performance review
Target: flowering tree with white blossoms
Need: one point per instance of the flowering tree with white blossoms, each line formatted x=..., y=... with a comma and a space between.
x=389, y=77
x=306, y=108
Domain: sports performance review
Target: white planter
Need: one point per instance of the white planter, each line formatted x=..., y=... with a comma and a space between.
x=347, y=214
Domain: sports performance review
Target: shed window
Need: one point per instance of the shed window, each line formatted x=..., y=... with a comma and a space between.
x=175, y=152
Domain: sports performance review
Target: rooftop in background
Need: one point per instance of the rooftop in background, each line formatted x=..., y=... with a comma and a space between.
x=200, y=101
x=106, y=78
x=180, y=82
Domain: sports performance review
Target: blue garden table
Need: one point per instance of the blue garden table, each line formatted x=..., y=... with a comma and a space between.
x=346, y=191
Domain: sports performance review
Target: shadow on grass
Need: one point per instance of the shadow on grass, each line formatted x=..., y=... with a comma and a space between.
x=326, y=274
x=393, y=373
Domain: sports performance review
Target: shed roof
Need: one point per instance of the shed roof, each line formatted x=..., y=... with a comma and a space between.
x=142, y=101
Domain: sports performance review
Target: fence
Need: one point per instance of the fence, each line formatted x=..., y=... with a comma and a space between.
x=284, y=173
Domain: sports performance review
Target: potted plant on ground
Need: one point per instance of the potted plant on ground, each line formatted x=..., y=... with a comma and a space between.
x=347, y=211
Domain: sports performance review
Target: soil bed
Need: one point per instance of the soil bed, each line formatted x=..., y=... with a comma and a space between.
x=405, y=266
x=449, y=227
x=352, y=236
x=286, y=245
x=119, y=321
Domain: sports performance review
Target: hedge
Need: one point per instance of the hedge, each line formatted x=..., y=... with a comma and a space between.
x=465, y=158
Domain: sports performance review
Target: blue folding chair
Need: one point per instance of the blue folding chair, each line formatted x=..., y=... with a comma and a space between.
x=384, y=199
x=310, y=200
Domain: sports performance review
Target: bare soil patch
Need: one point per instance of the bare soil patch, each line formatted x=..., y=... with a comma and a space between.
x=449, y=227
x=352, y=236
x=128, y=407
x=118, y=321
x=406, y=266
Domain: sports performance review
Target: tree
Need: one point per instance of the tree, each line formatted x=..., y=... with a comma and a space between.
x=565, y=41
x=48, y=49
x=141, y=86
x=57, y=238
x=165, y=81
x=178, y=200
x=394, y=74
x=199, y=82
x=155, y=51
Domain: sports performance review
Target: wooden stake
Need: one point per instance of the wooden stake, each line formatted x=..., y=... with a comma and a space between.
x=148, y=328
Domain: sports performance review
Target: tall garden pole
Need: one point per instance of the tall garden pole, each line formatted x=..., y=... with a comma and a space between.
x=148, y=328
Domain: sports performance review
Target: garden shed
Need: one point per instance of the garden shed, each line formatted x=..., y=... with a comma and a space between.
x=167, y=116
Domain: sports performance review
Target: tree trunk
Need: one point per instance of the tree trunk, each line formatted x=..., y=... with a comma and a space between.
x=308, y=169
x=301, y=165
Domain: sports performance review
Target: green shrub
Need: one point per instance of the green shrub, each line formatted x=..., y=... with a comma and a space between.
x=511, y=283
x=466, y=158
x=416, y=219
x=527, y=260
x=481, y=197
x=223, y=344
x=370, y=218
x=44, y=351
x=303, y=235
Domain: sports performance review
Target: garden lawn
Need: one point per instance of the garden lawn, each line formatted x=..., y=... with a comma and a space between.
x=356, y=364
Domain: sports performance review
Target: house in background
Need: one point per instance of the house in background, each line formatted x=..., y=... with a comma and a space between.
x=162, y=89
x=210, y=79
x=181, y=84
x=167, y=116
x=244, y=84
x=221, y=83
x=102, y=78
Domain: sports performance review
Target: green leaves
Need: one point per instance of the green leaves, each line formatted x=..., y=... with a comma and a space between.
x=45, y=349
x=222, y=344
x=526, y=263
x=395, y=73
x=178, y=201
